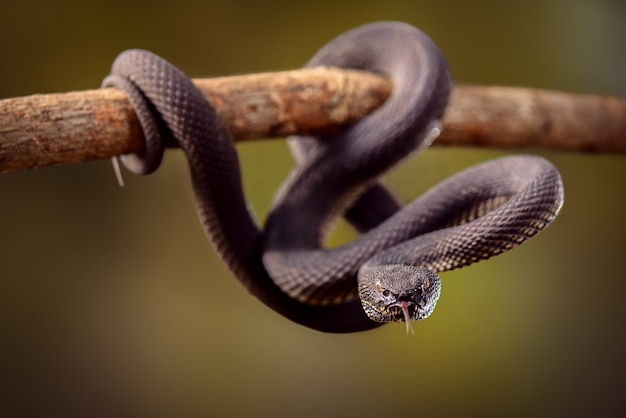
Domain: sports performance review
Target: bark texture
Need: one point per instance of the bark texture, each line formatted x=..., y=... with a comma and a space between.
x=42, y=130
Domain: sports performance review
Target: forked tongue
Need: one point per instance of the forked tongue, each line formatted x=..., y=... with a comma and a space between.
x=407, y=317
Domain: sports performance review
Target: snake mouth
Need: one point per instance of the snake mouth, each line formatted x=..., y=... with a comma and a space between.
x=402, y=311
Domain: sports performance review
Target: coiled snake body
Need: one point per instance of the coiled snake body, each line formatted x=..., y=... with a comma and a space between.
x=478, y=213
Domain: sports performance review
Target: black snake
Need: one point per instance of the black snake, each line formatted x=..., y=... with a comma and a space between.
x=478, y=213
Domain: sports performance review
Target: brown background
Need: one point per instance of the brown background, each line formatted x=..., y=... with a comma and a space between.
x=113, y=303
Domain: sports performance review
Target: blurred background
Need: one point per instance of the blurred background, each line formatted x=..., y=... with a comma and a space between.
x=112, y=302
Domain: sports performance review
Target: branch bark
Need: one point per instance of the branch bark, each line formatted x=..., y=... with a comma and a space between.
x=507, y=117
x=42, y=130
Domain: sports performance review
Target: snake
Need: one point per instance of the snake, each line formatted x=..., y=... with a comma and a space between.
x=390, y=272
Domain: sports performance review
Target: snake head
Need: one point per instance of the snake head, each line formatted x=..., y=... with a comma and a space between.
x=396, y=293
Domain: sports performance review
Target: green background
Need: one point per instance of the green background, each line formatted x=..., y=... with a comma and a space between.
x=113, y=303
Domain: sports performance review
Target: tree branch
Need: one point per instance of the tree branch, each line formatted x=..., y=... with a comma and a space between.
x=508, y=117
x=42, y=130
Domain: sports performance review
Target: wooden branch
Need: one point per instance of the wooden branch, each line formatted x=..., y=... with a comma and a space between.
x=42, y=130
x=507, y=117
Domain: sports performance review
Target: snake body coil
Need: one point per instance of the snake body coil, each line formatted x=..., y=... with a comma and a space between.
x=481, y=212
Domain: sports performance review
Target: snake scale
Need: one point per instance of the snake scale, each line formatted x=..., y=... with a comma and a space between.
x=392, y=266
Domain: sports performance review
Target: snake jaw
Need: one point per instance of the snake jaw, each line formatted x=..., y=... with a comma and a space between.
x=407, y=309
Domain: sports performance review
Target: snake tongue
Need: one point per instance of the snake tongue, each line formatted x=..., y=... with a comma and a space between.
x=407, y=317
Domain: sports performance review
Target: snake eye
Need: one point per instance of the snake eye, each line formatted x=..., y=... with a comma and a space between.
x=386, y=292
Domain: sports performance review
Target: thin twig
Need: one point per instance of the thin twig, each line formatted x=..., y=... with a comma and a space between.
x=42, y=130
